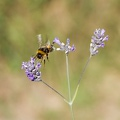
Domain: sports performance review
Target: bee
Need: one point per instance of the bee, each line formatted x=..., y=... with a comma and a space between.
x=44, y=50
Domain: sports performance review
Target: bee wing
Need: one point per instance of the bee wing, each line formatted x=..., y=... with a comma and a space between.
x=39, y=39
x=48, y=42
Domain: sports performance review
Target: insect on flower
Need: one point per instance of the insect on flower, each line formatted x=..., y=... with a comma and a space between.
x=44, y=50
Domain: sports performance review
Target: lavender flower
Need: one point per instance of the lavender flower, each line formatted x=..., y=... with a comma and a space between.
x=64, y=47
x=97, y=41
x=31, y=70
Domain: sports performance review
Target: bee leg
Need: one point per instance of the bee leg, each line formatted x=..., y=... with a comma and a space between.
x=35, y=57
x=41, y=60
x=47, y=57
x=44, y=62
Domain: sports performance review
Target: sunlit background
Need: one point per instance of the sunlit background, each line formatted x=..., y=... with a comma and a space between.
x=21, y=21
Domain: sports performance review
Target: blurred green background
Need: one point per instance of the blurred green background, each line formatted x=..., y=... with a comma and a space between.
x=21, y=21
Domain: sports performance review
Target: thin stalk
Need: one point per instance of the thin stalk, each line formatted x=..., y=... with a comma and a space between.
x=69, y=88
x=55, y=91
x=81, y=75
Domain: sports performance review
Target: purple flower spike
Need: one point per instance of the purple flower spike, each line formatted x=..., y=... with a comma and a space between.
x=31, y=70
x=97, y=41
x=64, y=47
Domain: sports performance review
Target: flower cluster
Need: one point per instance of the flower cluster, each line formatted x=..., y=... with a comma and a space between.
x=97, y=41
x=32, y=70
x=32, y=67
x=64, y=47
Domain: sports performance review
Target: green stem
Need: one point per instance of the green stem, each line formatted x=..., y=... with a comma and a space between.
x=68, y=79
x=81, y=75
x=55, y=91
x=69, y=88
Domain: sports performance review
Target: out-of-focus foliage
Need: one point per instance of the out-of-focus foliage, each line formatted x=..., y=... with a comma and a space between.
x=20, y=23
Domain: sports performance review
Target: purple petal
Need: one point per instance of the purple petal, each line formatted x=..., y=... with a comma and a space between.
x=56, y=40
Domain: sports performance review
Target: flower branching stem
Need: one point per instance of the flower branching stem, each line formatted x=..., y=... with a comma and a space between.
x=69, y=87
x=54, y=90
x=81, y=75
x=32, y=67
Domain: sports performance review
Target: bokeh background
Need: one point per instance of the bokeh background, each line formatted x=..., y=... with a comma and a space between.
x=21, y=21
